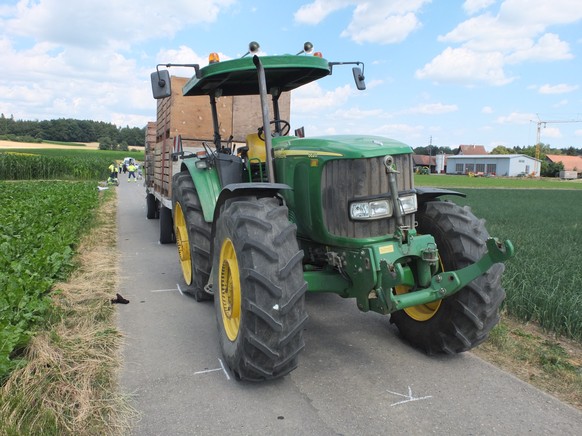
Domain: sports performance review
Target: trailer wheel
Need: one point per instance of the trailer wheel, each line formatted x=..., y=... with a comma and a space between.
x=259, y=289
x=463, y=320
x=152, y=210
x=166, y=226
x=192, y=236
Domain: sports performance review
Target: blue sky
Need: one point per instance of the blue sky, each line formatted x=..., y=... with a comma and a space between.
x=459, y=72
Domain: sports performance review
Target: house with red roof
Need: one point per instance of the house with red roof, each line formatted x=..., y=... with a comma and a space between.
x=572, y=165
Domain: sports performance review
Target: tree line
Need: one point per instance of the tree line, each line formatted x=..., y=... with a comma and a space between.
x=108, y=135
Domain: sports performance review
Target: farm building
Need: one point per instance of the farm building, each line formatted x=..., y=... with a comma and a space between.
x=511, y=165
x=572, y=165
x=471, y=150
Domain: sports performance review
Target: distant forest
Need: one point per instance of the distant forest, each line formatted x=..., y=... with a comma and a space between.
x=108, y=135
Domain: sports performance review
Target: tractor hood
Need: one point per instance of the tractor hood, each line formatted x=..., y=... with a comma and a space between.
x=340, y=146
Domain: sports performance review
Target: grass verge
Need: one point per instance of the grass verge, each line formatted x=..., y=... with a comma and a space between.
x=69, y=384
x=551, y=363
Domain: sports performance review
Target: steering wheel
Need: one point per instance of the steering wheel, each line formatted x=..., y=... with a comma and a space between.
x=284, y=125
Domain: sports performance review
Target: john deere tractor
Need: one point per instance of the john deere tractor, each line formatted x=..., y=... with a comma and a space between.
x=259, y=225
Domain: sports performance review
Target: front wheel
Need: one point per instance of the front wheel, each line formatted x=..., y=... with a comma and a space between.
x=192, y=236
x=463, y=320
x=259, y=290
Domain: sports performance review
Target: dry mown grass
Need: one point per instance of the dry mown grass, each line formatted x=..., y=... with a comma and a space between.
x=69, y=385
x=550, y=363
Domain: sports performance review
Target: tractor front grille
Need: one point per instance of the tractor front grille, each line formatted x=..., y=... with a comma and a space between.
x=345, y=180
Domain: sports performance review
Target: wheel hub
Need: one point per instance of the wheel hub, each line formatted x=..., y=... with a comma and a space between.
x=230, y=292
x=183, y=243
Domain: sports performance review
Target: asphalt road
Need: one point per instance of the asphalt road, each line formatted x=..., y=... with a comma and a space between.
x=355, y=377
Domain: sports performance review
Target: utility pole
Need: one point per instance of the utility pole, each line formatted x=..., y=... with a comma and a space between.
x=429, y=153
x=541, y=123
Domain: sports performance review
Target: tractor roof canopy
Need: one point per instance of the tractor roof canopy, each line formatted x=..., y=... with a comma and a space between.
x=239, y=76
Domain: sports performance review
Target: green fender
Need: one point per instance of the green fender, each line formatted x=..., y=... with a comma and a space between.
x=207, y=185
x=212, y=194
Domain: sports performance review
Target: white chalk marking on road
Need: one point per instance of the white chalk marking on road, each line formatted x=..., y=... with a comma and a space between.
x=224, y=369
x=165, y=290
x=409, y=397
x=180, y=290
x=208, y=370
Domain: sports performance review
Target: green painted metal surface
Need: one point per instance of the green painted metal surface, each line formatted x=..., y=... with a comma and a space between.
x=299, y=163
x=207, y=185
x=370, y=273
x=239, y=76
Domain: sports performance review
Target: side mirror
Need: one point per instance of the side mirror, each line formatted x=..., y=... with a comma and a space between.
x=161, y=84
x=359, y=78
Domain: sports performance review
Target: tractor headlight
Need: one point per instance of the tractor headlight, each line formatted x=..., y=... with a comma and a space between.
x=408, y=204
x=370, y=210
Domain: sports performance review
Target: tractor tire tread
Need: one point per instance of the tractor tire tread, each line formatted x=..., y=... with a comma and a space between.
x=270, y=335
x=464, y=319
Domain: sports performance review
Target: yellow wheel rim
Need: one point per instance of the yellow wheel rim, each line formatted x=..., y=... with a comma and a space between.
x=183, y=243
x=229, y=289
x=422, y=312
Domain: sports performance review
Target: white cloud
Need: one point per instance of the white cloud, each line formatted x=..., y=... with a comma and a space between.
x=548, y=47
x=432, y=109
x=578, y=132
x=561, y=88
x=516, y=34
x=101, y=23
x=317, y=11
x=487, y=110
x=516, y=118
x=551, y=132
x=65, y=58
x=313, y=98
x=473, y=6
x=461, y=65
x=377, y=21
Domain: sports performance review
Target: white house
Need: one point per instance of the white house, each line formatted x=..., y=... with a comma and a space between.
x=494, y=164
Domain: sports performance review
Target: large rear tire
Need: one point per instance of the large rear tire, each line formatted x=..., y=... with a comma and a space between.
x=463, y=320
x=192, y=236
x=152, y=209
x=259, y=289
x=166, y=226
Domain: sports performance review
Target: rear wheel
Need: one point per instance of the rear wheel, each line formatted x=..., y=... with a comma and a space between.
x=166, y=226
x=152, y=210
x=259, y=289
x=192, y=236
x=463, y=320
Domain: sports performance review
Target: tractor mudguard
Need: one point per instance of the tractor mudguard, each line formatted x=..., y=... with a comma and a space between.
x=259, y=189
x=427, y=193
x=207, y=185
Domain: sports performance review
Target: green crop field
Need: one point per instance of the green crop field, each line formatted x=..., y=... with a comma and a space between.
x=40, y=227
x=49, y=164
x=449, y=181
x=76, y=153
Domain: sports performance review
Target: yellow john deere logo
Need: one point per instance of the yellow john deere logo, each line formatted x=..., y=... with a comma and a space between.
x=308, y=153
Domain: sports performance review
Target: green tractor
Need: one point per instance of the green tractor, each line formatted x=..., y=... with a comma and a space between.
x=259, y=225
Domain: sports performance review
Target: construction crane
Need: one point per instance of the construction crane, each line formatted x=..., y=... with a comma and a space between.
x=541, y=123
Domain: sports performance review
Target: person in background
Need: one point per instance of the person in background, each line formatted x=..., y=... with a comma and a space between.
x=131, y=169
x=112, y=173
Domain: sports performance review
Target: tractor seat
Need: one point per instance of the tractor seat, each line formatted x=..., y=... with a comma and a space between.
x=256, y=148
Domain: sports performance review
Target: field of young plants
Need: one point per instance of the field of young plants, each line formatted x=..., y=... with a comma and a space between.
x=544, y=279
x=50, y=164
x=41, y=224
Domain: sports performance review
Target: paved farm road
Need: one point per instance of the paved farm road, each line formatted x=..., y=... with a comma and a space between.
x=355, y=377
